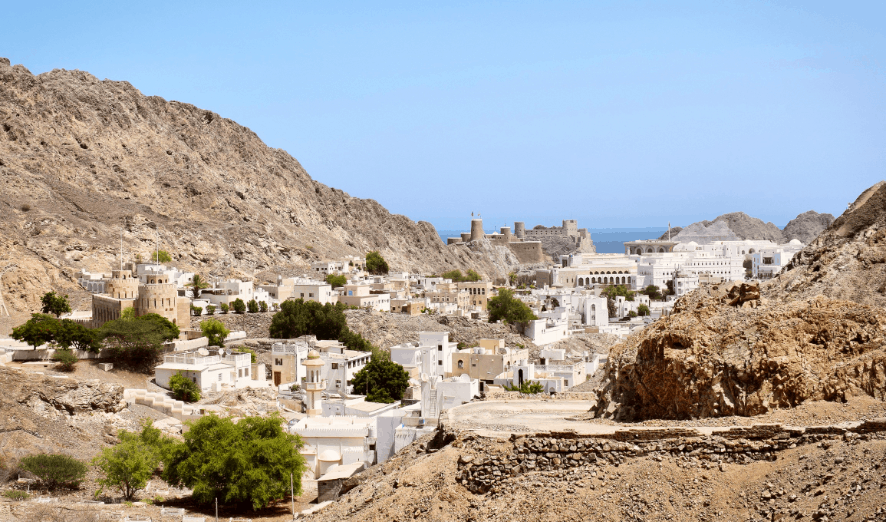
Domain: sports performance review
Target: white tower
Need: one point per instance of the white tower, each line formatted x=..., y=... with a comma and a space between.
x=314, y=385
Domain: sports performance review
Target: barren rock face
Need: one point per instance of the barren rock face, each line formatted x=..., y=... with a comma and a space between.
x=817, y=331
x=82, y=160
x=711, y=359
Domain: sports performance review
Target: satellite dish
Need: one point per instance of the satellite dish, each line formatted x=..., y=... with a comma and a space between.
x=203, y=351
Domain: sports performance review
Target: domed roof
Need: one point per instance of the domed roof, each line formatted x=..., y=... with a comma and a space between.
x=330, y=455
x=795, y=242
x=313, y=354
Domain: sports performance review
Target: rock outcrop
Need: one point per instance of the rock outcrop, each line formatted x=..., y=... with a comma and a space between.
x=82, y=160
x=816, y=332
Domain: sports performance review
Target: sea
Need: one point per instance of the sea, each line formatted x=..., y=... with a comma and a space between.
x=607, y=240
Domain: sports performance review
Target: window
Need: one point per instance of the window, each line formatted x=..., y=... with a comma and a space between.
x=245, y=372
x=440, y=363
x=219, y=376
x=461, y=364
x=439, y=347
x=335, y=366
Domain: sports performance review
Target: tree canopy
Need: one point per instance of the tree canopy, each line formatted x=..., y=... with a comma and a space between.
x=618, y=290
x=383, y=381
x=160, y=256
x=167, y=328
x=643, y=310
x=65, y=333
x=375, y=264
x=215, y=331
x=238, y=305
x=55, y=304
x=336, y=280
x=299, y=317
x=249, y=462
x=652, y=291
x=197, y=284
x=508, y=309
x=458, y=277
x=136, y=343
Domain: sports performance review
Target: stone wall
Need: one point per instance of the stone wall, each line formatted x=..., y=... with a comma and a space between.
x=528, y=252
x=735, y=446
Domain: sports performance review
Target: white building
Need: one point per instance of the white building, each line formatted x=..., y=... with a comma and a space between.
x=766, y=264
x=360, y=295
x=336, y=441
x=684, y=282
x=545, y=331
x=224, y=369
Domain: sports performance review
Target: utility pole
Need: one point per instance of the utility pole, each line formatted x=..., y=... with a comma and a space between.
x=292, y=495
x=216, y=509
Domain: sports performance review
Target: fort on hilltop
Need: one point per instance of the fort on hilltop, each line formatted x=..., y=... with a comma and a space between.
x=525, y=251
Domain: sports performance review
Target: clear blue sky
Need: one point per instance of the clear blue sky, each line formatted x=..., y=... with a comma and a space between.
x=621, y=114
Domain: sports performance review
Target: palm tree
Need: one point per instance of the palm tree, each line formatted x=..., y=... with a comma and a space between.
x=197, y=284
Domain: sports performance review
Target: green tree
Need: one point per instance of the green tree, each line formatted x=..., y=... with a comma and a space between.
x=167, y=328
x=210, y=310
x=160, y=256
x=224, y=307
x=375, y=264
x=249, y=462
x=382, y=381
x=127, y=466
x=652, y=291
x=611, y=308
x=643, y=310
x=614, y=291
x=298, y=317
x=252, y=306
x=455, y=275
x=55, y=470
x=508, y=309
x=55, y=304
x=336, y=280
x=197, y=284
x=184, y=389
x=134, y=343
x=215, y=331
x=196, y=310
x=632, y=313
x=263, y=306
x=37, y=331
x=472, y=276
x=66, y=359
x=238, y=305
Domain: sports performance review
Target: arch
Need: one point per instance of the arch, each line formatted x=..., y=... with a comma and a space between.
x=520, y=377
x=648, y=250
x=461, y=365
x=751, y=251
x=661, y=249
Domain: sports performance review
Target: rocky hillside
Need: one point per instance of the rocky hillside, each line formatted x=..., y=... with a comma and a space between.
x=738, y=225
x=82, y=160
x=816, y=332
x=847, y=261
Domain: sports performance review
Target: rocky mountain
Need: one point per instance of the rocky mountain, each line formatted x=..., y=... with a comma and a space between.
x=84, y=160
x=815, y=332
x=738, y=225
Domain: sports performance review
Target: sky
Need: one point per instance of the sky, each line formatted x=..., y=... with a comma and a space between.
x=617, y=114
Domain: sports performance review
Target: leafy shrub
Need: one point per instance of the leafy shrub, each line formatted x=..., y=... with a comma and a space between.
x=55, y=470
x=528, y=388
x=252, y=306
x=14, y=494
x=632, y=313
x=184, y=389
x=196, y=310
x=247, y=462
x=375, y=264
x=66, y=359
x=250, y=351
x=263, y=306
x=643, y=310
x=508, y=309
x=238, y=305
x=55, y=304
x=127, y=466
x=210, y=310
x=383, y=381
x=299, y=317
x=25, y=207
x=160, y=256
x=215, y=331
x=336, y=280
x=224, y=308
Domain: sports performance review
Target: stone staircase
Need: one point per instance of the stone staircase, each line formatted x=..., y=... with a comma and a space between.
x=160, y=402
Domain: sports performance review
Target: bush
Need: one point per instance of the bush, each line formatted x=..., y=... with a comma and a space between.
x=215, y=331
x=196, y=310
x=210, y=310
x=528, y=388
x=299, y=317
x=652, y=291
x=184, y=389
x=160, y=256
x=66, y=359
x=375, y=264
x=508, y=309
x=248, y=462
x=127, y=466
x=238, y=305
x=263, y=306
x=643, y=310
x=14, y=494
x=252, y=306
x=458, y=277
x=224, y=308
x=336, y=280
x=618, y=290
x=250, y=351
x=55, y=470
x=632, y=313
x=55, y=304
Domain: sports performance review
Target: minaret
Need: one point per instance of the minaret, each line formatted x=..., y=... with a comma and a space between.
x=314, y=385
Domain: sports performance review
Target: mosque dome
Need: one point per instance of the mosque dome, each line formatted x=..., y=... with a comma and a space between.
x=329, y=455
x=795, y=242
